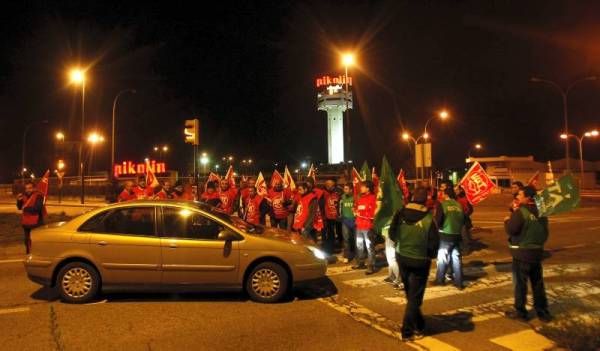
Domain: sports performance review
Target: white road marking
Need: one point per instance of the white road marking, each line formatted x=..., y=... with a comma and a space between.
x=496, y=281
x=525, y=340
x=574, y=246
x=555, y=294
x=12, y=261
x=382, y=324
x=14, y=310
x=339, y=270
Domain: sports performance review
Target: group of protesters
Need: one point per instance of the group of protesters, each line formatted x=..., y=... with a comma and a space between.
x=433, y=223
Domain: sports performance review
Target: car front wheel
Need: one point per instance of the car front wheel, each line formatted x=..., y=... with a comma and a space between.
x=77, y=282
x=267, y=282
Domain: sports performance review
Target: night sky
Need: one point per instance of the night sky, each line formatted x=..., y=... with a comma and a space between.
x=246, y=69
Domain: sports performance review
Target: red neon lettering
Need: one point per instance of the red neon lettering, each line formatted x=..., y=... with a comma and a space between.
x=161, y=168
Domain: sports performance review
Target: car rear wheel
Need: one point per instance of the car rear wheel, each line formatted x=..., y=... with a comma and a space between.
x=267, y=282
x=77, y=282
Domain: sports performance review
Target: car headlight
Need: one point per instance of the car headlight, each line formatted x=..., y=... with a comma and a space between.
x=318, y=253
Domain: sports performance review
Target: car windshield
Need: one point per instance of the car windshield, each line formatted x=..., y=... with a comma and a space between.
x=229, y=219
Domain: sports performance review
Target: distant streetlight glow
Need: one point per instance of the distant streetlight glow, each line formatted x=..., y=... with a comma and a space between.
x=405, y=136
x=204, y=159
x=60, y=136
x=348, y=59
x=165, y=148
x=77, y=75
x=444, y=114
x=563, y=136
x=425, y=136
x=156, y=148
x=478, y=146
x=95, y=138
x=303, y=165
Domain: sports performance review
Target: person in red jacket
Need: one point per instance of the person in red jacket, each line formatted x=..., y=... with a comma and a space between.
x=364, y=213
x=127, y=194
x=307, y=219
x=255, y=208
x=228, y=197
x=280, y=200
x=31, y=202
x=331, y=203
x=140, y=189
x=211, y=195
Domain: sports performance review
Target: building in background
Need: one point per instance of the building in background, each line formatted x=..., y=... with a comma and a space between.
x=332, y=98
x=507, y=169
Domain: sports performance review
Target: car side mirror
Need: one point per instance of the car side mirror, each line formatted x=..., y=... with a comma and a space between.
x=227, y=235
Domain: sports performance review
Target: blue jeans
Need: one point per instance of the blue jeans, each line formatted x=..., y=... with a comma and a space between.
x=449, y=255
x=365, y=246
x=349, y=234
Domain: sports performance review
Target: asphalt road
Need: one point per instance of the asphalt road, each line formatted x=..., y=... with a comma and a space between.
x=354, y=311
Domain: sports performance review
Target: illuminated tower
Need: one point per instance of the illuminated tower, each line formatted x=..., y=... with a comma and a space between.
x=332, y=99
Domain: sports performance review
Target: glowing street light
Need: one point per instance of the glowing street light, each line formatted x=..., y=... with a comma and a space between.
x=348, y=59
x=77, y=76
x=95, y=138
x=60, y=136
x=165, y=148
x=476, y=147
x=589, y=134
x=443, y=114
x=60, y=165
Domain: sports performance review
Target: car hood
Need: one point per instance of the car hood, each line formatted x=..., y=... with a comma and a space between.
x=284, y=235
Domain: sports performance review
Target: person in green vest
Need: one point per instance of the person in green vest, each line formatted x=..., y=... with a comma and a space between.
x=451, y=218
x=348, y=223
x=527, y=233
x=414, y=232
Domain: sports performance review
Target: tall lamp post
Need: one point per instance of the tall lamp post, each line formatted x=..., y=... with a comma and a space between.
x=23, y=169
x=77, y=76
x=112, y=139
x=407, y=137
x=591, y=134
x=347, y=60
x=565, y=95
x=442, y=115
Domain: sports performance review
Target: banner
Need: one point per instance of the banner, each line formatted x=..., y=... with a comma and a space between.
x=288, y=180
x=276, y=176
x=562, y=196
x=230, y=177
x=312, y=173
x=261, y=185
x=477, y=184
x=403, y=186
x=389, y=198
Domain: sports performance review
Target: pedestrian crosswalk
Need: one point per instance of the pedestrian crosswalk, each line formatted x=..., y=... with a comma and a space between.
x=381, y=308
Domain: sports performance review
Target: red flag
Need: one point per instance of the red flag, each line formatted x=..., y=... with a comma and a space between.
x=276, y=176
x=312, y=173
x=261, y=185
x=42, y=186
x=230, y=177
x=212, y=177
x=356, y=179
x=477, y=184
x=151, y=181
x=288, y=180
x=375, y=180
x=533, y=181
x=402, y=183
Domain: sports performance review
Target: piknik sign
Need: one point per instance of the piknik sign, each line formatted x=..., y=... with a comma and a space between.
x=325, y=81
x=130, y=168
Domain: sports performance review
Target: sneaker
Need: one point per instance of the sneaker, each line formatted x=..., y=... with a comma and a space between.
x=544, y=316
x=398, y=285
x=369, y=270
x=407, y=337
x=418, y=335
x=359, y=266
x=389, y=280
x=517, y=315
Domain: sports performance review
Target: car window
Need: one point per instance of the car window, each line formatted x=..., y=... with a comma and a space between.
x=95, y=224
x=184, y=223
x=130, y=220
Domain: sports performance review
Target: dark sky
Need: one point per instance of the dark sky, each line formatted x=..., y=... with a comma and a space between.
x=246, y=69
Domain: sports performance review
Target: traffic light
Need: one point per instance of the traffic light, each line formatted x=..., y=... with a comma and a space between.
x=191, y=131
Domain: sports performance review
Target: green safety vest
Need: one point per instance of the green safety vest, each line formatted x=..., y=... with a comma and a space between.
x=454, y=217
x=534, y=232
x=347, y=206
x=412, y=238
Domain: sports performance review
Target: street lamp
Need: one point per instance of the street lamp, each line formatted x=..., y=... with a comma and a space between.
x=347, y=61
x=590, y=134
x=565, y=95
x=23, y=169
x=77, y=77
x=476, y=147
x=204, y=160
x=112, y=139
x=408, y=138
x=60, y=136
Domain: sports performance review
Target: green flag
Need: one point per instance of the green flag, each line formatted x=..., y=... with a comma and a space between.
x=562, y=196
x=365, y=172
x=389, y=198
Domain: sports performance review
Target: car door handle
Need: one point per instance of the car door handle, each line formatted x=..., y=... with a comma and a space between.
x=173, y=245
x=102, y=243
